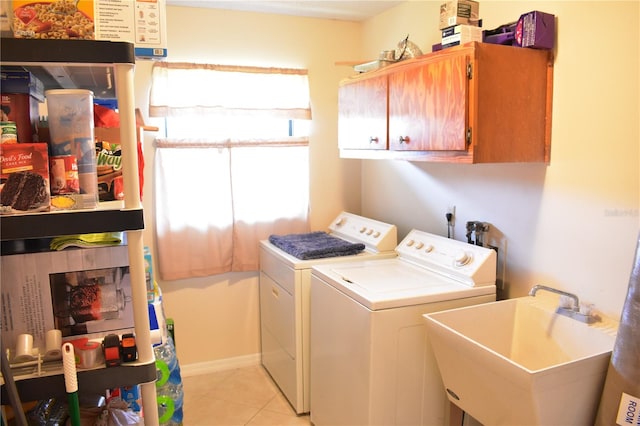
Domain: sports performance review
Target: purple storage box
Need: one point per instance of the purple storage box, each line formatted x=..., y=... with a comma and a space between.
x=537, y=30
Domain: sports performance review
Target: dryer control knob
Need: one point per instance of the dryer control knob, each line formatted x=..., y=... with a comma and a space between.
x=370, y=231
x=340, y=221
x=419, y=246
x=376, y=234
x=364, y=228
x=462, y=258
x=428, y=248
x=410, y=243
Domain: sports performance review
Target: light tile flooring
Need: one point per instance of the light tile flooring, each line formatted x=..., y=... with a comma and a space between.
x=243, y=396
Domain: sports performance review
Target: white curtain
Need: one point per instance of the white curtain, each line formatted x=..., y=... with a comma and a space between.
x=216, y=197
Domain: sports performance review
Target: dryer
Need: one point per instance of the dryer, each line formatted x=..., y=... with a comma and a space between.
x=284, y=300
x=371, y=362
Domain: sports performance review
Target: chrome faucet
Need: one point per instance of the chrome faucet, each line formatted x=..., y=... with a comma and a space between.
x=573, y=312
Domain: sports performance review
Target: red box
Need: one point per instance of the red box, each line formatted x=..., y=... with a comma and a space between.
x=22, y=109
x=24, y=178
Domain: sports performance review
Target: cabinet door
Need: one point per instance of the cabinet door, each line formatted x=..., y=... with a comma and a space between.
x=428, y=105
x=362, y=116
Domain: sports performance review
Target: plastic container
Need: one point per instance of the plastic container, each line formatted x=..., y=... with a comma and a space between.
x=71, y=133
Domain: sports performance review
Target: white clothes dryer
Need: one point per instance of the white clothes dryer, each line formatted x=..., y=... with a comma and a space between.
x=371, y=363
x=284, y=301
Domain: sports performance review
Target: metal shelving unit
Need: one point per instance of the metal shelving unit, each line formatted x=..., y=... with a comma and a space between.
x=106, y=68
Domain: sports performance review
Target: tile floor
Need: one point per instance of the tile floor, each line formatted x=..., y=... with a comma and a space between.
x=243, y=396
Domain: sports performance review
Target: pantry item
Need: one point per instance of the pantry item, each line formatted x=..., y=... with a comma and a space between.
x=64, y=175
x=8, y=132
x=71, y=133
x=24, y=173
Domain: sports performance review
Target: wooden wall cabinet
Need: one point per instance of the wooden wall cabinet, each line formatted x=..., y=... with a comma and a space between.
x=476, y=103
x=362, y=122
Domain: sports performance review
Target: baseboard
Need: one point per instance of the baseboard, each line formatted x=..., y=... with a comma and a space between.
x=208, y=367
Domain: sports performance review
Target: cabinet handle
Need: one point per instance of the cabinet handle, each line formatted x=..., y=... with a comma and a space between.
x=373, y=139
x=404, y=139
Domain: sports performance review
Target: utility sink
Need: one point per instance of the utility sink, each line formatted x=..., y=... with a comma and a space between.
x=517, y=362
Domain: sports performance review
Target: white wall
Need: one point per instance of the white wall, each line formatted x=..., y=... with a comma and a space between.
x=217, y=317
x=572, y=224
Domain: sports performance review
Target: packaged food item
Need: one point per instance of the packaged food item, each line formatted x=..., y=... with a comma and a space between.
x=22, y=92
x=64, y=175
x=8, y=132
x=22, y=109
x=109, y=161
x=142, y=22
x=24, y=178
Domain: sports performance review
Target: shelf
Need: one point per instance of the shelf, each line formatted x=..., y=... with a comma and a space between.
x=107, y=69
x=80, y=64
x=70, y=222
x=89, y=381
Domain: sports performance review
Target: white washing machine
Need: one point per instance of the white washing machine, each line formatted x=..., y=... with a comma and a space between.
x=371, y=363
x=284, y=301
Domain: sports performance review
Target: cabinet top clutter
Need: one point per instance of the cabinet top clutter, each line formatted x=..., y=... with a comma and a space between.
x=475, y=103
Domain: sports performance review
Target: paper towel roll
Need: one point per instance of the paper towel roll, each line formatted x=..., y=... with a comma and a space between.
x=24, y=348
x=53, y=344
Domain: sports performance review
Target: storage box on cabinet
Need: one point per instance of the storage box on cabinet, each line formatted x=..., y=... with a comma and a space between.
x=476, y=103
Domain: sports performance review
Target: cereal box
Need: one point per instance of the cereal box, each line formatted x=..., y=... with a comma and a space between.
x=24, y=178
x=142, y=22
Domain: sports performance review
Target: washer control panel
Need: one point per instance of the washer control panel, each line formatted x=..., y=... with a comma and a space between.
x=471, y=264
x=375, y=235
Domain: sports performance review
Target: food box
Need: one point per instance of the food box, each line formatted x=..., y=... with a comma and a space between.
x=460, y=34
x=142, y=22
x=536, y=30
x=456, y=12
x=21, y=82
x=22, y=109
x=24, y=178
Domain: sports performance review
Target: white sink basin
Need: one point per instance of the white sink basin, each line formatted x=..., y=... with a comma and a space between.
x=517, y=362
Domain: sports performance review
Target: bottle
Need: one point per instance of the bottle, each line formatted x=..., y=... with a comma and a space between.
x=168, y=385
x=620, y=402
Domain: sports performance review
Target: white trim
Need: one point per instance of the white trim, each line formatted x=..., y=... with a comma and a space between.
x=208, y=367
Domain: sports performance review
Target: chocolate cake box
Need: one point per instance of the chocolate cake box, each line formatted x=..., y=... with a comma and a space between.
x=24, y=178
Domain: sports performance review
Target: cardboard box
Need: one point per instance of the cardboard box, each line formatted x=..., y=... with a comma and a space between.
x=22, y=109
x=24, y=175
x=45, y=294
x=21, y=82
x=142, y=22
x=536, y=30
x=460, y=34
x=456, y=12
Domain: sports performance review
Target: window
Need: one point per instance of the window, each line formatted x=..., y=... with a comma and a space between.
x=233, y=167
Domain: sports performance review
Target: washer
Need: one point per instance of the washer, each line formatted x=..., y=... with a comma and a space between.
x=371, y=363
x=284, y=301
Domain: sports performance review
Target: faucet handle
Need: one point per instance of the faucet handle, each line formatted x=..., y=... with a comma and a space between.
x=586, y=309
x=567, y=302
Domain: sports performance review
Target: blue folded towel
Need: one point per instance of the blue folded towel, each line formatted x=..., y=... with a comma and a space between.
x=315, y=245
